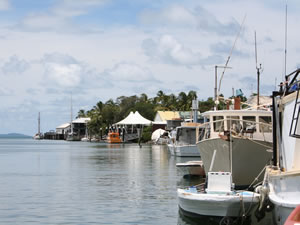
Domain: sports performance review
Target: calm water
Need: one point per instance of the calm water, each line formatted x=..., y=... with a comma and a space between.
x=59, y=182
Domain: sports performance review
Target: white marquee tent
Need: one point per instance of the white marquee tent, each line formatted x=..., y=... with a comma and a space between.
x=134, y=119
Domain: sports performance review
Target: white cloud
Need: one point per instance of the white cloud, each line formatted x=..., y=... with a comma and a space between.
x=169, y=50
x=198, y=17
x=129, y=72
x=15, y=66
x=60, y=16
x=5, y=91
x=173, y=15
x=71, y=8
x=63, y=70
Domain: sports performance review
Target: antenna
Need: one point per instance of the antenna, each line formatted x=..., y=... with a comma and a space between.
x=257, y=69
x=231, y=52
x=285, y=39
x=71, y=125
x=39, y=123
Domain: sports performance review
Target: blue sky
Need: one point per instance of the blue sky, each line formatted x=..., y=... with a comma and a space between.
x=102, y=49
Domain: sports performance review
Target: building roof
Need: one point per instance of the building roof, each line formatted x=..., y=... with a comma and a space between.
x=81, y=120
x=63, y=126
x=166, y=115
x=134, y=119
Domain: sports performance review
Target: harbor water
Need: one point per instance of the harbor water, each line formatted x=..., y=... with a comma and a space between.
x=59, y=182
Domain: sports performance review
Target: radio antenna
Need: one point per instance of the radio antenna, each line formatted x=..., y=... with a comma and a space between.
x=257, y=69
x=285, y=39
x=226, y=64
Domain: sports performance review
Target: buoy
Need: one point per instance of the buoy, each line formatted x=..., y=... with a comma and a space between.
x=294, y=217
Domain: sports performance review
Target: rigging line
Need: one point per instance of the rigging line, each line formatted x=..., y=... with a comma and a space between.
x=231, y=53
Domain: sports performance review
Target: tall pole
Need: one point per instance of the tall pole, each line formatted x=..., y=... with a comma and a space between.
x=71, y=126
x=216, y=82
x=258, y=75
x=39, y=124
x=258, y=71
x=285, y=40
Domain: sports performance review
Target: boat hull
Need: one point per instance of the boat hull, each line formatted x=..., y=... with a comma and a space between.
x=193, y=168
x=184, y=150
x=219, y=205
x=248, y=157
x=284, y=193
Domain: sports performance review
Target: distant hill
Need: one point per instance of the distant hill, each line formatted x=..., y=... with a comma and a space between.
x=14, y=135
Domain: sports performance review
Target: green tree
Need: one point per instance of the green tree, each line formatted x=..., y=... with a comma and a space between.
x=81, y=113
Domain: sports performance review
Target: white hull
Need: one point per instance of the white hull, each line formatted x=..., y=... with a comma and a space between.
x=184, y=150
x=215, y=204
x=192, y=168
x=284, y=193
x=85, y=139
x=248, y=157
x=37, y=137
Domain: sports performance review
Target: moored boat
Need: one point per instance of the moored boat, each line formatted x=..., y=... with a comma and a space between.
x=283, y=177
x=193, y=168
x=113, y=137
x=237, y=141
x=219, y=199
x=184, y=144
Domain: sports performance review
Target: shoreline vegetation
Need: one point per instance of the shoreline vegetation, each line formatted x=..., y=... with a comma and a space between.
x=104, y=115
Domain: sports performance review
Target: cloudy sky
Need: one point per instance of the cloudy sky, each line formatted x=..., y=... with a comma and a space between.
x=102, y=49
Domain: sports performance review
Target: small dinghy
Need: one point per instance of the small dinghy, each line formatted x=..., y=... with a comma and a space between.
x=193, y=168
x=218, y=199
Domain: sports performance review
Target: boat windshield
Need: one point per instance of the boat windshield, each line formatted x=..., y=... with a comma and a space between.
x=234, y=123
x=249, y=124
x=218, y=123
x=264, y=122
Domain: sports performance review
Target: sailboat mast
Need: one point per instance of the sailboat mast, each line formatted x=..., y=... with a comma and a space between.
x=39, y=123
x=285, y=40
x=71, y=125
x=258, y=70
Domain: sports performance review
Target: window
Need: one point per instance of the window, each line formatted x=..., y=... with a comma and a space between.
x=248, y=125
x=218, y=125
x=267, y=124
x=234, y=123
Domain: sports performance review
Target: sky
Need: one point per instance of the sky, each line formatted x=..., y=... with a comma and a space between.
x=102, y=49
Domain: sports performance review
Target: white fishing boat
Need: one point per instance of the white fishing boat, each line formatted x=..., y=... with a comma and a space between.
x=219, y=199
x=283, y=177
x=240, y=142
x=184, y=144
x=193, y=168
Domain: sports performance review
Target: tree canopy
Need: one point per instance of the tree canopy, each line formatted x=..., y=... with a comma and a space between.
x=103, y=115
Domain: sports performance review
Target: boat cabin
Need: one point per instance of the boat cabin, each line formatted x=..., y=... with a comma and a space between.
x=186, y=134
x=255, y=124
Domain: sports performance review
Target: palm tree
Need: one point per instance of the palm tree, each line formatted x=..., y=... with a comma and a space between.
x=81, y=113
x=144, y=98
x=182, y=101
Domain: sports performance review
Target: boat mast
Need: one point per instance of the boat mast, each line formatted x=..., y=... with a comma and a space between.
x=71, y=125
x=226, y=64
x=285, y=39
x=39, y=124
x=257, y=69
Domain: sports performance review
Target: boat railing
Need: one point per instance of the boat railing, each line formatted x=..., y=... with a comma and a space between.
x=240, y=128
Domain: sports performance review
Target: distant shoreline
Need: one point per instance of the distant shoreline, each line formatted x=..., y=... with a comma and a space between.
x=14, y=135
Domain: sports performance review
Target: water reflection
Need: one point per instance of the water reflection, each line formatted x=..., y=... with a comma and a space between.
x=58, y=182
